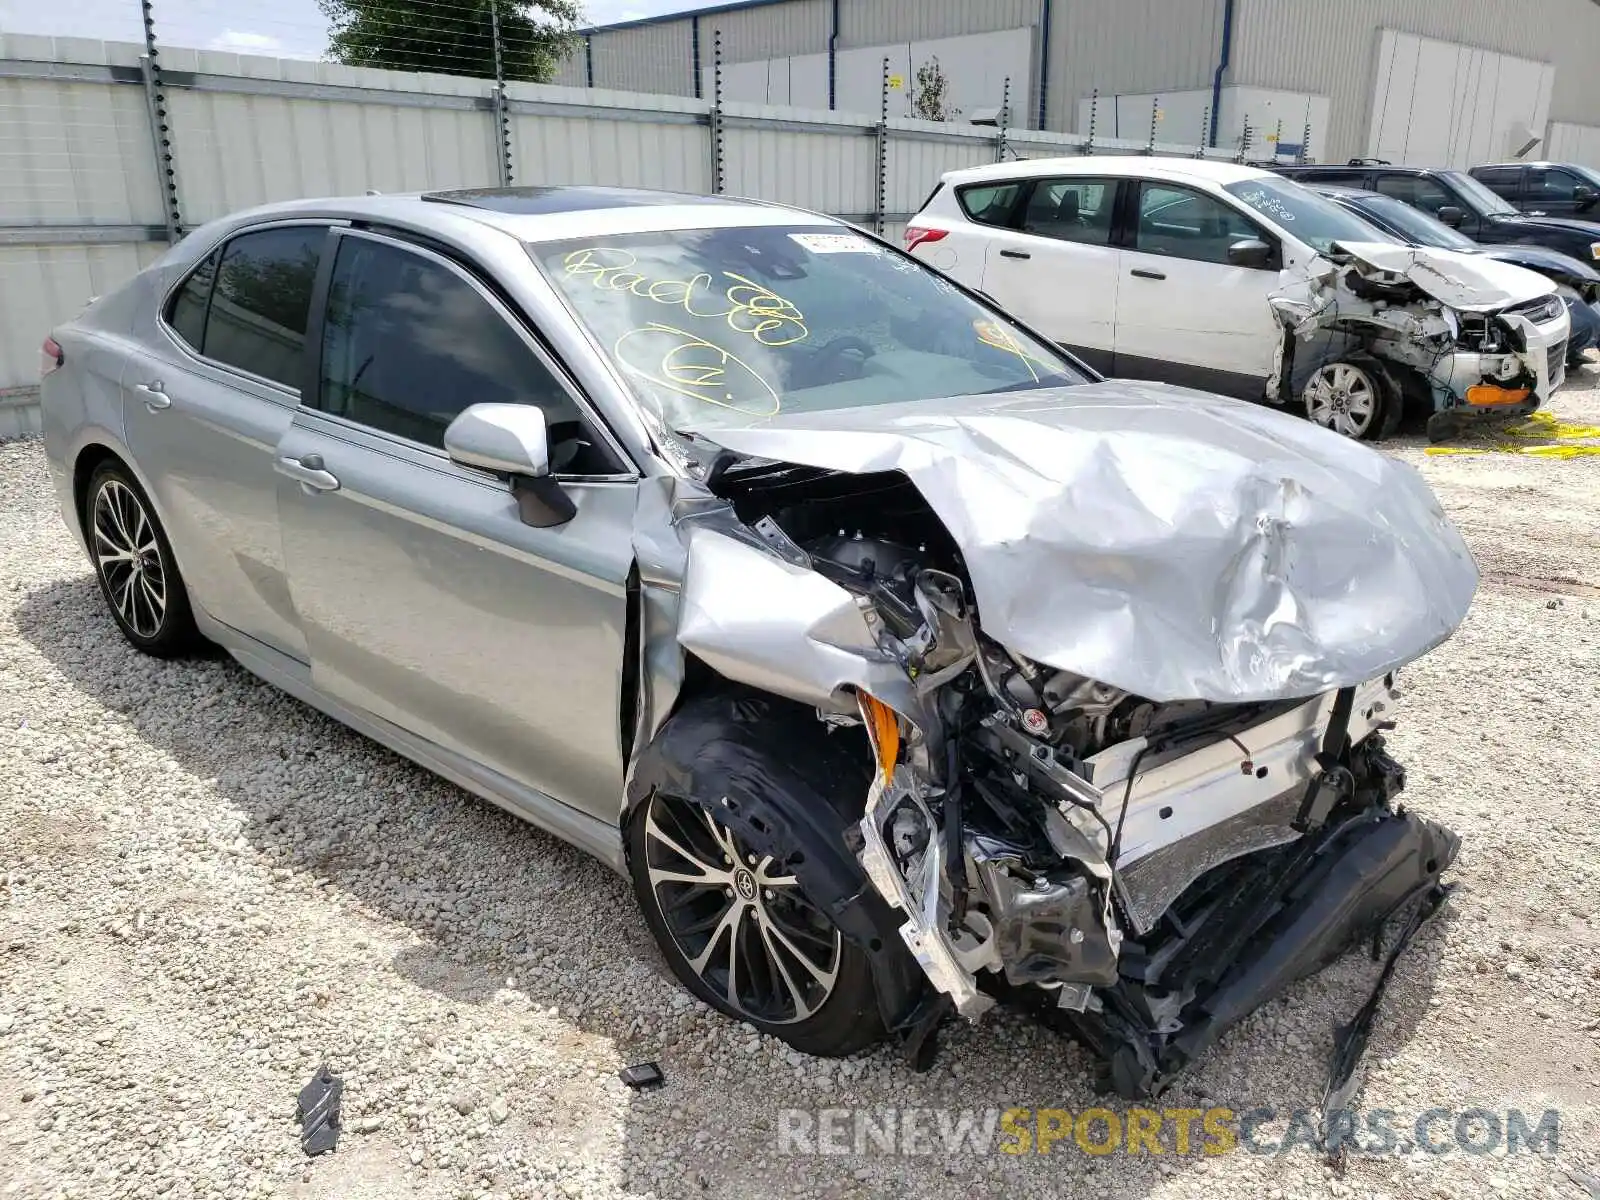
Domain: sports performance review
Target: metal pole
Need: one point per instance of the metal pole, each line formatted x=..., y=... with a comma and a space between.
x=1244, y=141
x=718, y=178
x=883, y=148
x=1155, y=114
x=502, y=115
x=1005, y=116
x=1305, y=144
x=1044, y=62
x=1205, y=126
x=694, y=57
x=1277, y=140
x=1094, y=109
x=160, y=131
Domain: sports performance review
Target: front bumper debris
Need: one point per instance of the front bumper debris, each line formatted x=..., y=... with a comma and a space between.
x=1288, y=913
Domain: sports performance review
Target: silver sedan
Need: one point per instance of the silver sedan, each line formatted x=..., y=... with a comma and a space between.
x=901, y=662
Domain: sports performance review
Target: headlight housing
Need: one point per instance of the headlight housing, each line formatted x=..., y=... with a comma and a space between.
x=1481, y=334
x=1544, y=309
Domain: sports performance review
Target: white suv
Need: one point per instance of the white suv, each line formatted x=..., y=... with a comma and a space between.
x=1235, y=280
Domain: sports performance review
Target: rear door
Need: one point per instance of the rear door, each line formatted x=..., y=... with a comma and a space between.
x=204, y=420
x=1184, y=313
x=1058, y=269
x=1505, y=182
x=424, y=597
x=951, y=233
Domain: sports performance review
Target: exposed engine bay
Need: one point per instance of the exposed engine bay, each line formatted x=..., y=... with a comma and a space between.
x=1453, y=334
x=1146, y=872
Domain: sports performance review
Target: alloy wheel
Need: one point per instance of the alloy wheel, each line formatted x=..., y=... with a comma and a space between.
x=739, y=919
x=128, y=557
x=1342, y=398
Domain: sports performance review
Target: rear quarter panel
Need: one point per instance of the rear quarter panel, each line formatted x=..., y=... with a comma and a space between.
x=81, y=406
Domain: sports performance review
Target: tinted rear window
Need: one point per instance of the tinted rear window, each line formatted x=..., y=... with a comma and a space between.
x=262, y=296
x=186, y=312
x=990, y=204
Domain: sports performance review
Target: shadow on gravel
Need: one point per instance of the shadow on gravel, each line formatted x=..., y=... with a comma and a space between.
x=469, y=880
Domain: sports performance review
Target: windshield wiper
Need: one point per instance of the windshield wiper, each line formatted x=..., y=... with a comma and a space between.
x=1031, y=385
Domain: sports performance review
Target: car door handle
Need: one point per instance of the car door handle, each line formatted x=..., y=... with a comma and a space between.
x=1015, y=254
x=1141, y=273
x=309, y=473
x=154, y=397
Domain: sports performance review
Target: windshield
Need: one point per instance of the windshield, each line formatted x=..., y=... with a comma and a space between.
x=1414, y=225
x=1301, y=213
x=717, y=327
x=1479, y=198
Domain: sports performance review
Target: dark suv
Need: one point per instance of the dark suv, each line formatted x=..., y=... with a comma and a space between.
x=1459, y=200
x=1544, y=189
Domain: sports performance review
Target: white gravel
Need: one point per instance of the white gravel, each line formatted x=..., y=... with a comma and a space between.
x=207, y=889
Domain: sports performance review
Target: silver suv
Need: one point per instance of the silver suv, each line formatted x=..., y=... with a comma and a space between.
x=902, y=663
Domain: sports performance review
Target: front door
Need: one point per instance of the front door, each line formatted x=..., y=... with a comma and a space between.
x=204, y=420
x=1430, y=195
x=1184, y=313
x=424, y=598
x=1559, y=192
x=1058, y=271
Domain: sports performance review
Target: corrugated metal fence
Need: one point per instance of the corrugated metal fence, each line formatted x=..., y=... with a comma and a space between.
x=91, y=137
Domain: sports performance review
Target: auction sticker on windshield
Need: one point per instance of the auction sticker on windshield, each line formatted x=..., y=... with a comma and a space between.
x=834, y=243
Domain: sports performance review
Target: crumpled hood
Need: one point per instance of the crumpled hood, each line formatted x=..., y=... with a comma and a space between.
x=1172, y=543
x=1466, y=282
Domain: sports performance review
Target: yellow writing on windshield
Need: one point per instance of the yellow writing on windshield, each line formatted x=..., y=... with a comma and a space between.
x=751, y=308
x=992, y=333
x=689, y=365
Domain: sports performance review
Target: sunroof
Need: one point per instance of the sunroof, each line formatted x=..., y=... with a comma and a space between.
x=533, y=201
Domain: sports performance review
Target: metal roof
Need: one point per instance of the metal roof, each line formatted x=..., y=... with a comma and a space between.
x=665, y=18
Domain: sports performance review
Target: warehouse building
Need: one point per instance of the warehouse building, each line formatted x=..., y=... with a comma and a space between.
x=1429, y=82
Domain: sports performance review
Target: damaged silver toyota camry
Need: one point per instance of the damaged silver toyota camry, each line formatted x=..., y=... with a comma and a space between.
x=903, y=664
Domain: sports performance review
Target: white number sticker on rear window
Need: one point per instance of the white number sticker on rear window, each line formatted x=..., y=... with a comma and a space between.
x=834, y=243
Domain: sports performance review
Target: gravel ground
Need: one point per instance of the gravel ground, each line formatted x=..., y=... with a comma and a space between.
x=209, y=889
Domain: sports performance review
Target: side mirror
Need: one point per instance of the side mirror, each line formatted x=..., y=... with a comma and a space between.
x=1250, y=252
x=511, y=440
x=1583, y=197
x=1450, y=215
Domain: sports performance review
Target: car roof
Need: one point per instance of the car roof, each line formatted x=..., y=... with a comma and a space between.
x=1543, y=162
x=1187, y=170
x=548, y=213
x=530, y=201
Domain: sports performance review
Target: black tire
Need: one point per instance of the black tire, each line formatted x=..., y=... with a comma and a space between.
x=133, y=561
x=776, y=924
x=1355, y=395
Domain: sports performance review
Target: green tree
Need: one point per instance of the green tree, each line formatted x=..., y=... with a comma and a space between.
x=930, y=103
x=453, y=37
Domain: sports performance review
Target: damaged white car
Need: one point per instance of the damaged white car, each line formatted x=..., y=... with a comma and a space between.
x=903, y=664
x=1233, y=279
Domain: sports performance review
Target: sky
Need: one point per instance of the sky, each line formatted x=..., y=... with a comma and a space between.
x=286, y=28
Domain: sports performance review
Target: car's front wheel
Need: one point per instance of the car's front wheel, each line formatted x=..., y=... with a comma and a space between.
x=739, y=931
x=1355, y=396
x=134, y=563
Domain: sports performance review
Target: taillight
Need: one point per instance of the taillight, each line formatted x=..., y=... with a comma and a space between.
x=916, y=235
x=50, y=356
